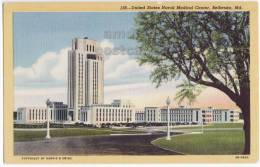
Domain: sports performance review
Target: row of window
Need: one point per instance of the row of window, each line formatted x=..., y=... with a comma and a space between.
x=181, y=111
x=42, y=114
x=37, y=114
x=178, y=118
x=71, y=82
x=90, y=48
x=80, y=79
x=84, y=116
x=19, y=116
x=139, y=117
x=95, y=82
x=150, y=115
x=60, y=115
x=119, y=115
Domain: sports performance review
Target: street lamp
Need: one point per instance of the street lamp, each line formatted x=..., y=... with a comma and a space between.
x=48, y=103
x=168, y=101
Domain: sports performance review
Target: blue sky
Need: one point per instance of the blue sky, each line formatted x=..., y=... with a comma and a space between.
x=41, y=44
x=37, y=33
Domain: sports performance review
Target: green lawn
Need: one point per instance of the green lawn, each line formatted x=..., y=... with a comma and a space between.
x=211, y=143
x=225, y=125
x=215, y=125
x=26, y=135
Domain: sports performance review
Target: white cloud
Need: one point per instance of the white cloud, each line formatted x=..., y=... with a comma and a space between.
x=122, y=68
x=50, y=68
x=141, y=94
x=36, y=83
x=126, y=68
x=30, y=96
x=106, y=44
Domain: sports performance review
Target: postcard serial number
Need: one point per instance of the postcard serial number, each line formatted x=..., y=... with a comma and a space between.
x=241, y=157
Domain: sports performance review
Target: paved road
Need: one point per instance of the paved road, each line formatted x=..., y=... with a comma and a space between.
x=96, y=145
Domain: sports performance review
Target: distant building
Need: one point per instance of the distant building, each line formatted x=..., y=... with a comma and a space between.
x=122, y=111
x=59, y=112
x=86, y=97
x=116, y=112
x=220, y=115
x=207, y=115
x=31, y=115
x=139, y=115
x=36, y=115
x=182, y=115
x=152, y=115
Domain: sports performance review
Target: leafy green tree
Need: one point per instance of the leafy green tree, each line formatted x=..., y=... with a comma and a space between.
x=209, y=48
x=187, y=90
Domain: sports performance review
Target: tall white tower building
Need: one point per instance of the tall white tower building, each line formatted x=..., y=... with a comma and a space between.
x=85, y=76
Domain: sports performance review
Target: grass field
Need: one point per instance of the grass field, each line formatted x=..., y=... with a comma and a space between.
x=27, y=135
x=210, y=143
x=215, y=125
x=225, y=125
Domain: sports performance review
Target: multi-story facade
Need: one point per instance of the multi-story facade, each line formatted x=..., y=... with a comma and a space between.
x=139, y=115
x=86, y=98
x=85, y=76
x=182, y=115
x=224, y=115
x=116, y=112
x=120, y=111
x=58, y=112
x=152, y=114
x=36, y=115
x=31, y=115
x=207, y=116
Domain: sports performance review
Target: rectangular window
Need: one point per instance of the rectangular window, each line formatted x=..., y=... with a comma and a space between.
x=106, y=114
x=100, y=114
x=96, y=114
x=103, y=114
x=113, y=115
x=36, y=114
x=109, y=115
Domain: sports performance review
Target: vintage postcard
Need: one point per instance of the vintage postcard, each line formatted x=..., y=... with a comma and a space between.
x=131, y=82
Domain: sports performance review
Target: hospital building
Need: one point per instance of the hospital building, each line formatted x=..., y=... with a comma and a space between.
x=85, y=97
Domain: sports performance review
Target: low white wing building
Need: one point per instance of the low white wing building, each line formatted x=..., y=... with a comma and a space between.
x=139, y=115
x=220, y=115
x=123, y=111
x=36, y=115
x=116, y=112
x=30, y=115
x=183, y=115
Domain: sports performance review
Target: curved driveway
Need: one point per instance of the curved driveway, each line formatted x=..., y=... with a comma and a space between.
x=94, y=145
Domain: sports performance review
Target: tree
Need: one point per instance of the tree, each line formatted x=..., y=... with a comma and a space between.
x=187, y=90
x=209, y=48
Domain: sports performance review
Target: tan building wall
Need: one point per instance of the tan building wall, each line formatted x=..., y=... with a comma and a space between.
x=85, y=75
